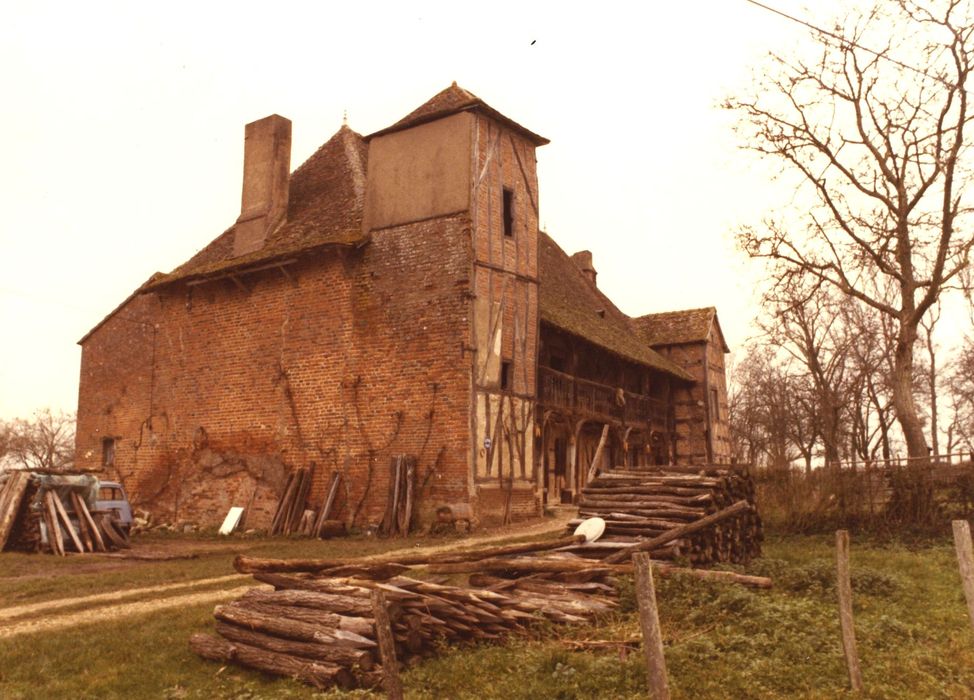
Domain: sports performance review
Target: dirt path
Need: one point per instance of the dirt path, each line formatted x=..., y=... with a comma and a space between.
x=113, y=596
x=33, y=623
x=43, y=624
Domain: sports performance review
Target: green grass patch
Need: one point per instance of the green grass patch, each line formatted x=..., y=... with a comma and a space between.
x=721, y=641
x=33, y=578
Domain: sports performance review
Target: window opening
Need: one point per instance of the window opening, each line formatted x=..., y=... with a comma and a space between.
x=507, y=375
x=508, y=212
x=108, y=452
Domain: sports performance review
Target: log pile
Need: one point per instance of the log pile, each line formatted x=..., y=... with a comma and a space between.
x=642, y=504
x=321, y=629
x=315, y=619
x=71, y=526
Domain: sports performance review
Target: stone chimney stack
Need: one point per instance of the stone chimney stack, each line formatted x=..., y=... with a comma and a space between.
x=583, y=259
x=267, y=164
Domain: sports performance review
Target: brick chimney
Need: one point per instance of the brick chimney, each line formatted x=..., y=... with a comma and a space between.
x=583, y=259
x=267, y=163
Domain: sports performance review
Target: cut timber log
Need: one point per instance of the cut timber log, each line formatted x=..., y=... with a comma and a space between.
x=84, y=529
x=676, y=533
x=319, y=674
x=322, y=618
x=283, y=504
x=524, y=565
x=11, y=498
x=342, y=656
x=54, y=537
x=325, y=513
x=312, y=595
x=290, y=629
x=253, y=565
x=68, y=527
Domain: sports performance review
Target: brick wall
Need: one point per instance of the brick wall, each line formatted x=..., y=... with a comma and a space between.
x=359, y=358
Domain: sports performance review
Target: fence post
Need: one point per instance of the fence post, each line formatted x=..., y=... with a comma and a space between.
x=387, y=645
x=965, y=559
x=845, y=608
x=649, y=622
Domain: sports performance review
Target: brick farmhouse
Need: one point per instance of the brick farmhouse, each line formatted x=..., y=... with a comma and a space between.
x=392, y=296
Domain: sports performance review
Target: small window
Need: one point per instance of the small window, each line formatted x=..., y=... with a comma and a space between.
x=109, y=493
x=508, y=212
x=108, y=452
x=507, y=375
x=714, y=406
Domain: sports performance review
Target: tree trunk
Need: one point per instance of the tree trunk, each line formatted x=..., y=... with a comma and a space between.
x=914, y=500
x=934, y=439
x=903, y=399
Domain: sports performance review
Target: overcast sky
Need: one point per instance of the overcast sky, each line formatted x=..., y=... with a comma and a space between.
x=121, y=139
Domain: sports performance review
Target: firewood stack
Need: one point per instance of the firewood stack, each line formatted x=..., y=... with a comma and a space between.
x=641, y=504
x=314, y=619
x=318, y=626
x=70, y=524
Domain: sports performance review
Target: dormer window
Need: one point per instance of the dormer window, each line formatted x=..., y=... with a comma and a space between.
x=508, y=212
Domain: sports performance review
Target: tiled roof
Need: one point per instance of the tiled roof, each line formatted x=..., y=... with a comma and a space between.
x=450, y=101
x=676, y=327
x=325, y=200
x=573, y=304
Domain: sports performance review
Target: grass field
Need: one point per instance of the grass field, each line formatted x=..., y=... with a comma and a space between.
x=721, y=641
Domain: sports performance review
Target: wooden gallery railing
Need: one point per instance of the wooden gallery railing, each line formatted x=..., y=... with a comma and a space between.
x=560, y=390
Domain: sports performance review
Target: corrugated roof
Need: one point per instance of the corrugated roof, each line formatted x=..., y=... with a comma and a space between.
x=677, y=327
x=325, y=200
x=450, y=101
x=573, y=304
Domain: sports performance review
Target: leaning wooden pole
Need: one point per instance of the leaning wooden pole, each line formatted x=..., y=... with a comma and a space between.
x=965, y=559
x=387, y=646
x=649, y=622
x=844, y=585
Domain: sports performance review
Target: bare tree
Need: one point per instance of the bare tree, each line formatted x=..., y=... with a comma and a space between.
x=806, y=323
x=45, y=442
x=879, y=149
x=770, y=424
x=960, y=389
x=871, y=366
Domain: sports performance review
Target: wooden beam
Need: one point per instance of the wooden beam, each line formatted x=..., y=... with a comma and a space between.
x=598, y=454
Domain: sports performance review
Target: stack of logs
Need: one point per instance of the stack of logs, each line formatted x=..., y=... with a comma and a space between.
x=315, y=620
x=638, y=504
x=24, y=506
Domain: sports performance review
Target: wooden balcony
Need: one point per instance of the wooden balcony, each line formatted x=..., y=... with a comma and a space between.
x=559, y=390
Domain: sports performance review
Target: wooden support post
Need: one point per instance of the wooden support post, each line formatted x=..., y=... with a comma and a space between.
x=845, y=608
x=965, y=558
x=598, y=455
x=649, y=622
x=387, y=646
